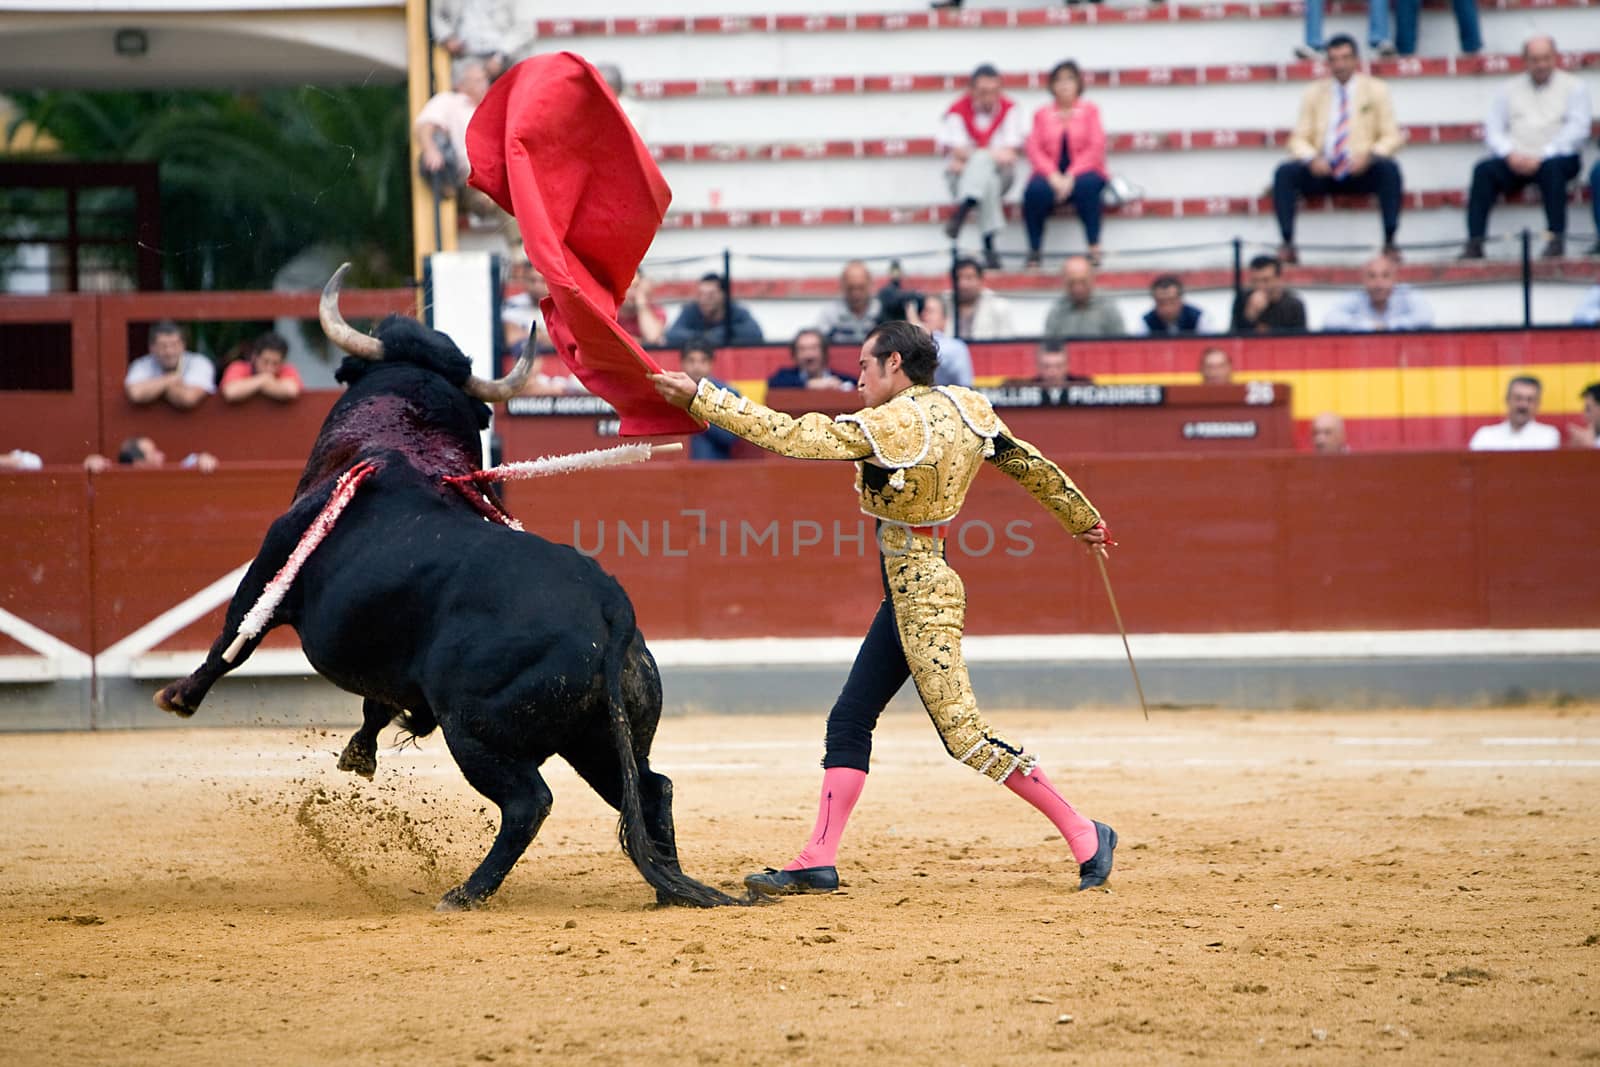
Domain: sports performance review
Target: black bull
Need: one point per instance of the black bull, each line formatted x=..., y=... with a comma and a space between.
x=516, y=648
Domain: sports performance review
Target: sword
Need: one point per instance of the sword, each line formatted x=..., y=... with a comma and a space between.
x=1105, y=577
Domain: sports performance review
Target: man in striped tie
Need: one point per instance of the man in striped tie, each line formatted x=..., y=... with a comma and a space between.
x=1343, y=144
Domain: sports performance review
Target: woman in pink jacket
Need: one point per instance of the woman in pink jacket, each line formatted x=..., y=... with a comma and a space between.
x=1068, y=151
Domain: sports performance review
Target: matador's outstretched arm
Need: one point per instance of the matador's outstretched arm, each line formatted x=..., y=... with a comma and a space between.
x=813, y=436
x=1044, y=481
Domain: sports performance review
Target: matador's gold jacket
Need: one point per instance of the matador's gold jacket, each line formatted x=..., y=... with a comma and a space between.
x=915, y=455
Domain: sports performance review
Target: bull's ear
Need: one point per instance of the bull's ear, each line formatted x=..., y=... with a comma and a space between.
x=351, y=370
x=483, y=413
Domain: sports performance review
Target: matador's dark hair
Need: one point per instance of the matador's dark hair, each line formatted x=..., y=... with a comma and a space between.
x=919, y=354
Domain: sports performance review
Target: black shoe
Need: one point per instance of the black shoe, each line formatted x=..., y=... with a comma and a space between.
x=1473, y=249
x=1288, y=256
x=806, y=880
x=1097, y=868
x=1555, y=248
x=1391, y=253
x=991, y=259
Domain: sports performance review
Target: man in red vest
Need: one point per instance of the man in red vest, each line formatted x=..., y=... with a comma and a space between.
x=980, y=138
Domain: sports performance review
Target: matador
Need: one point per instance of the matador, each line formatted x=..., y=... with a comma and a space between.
x=917, y=448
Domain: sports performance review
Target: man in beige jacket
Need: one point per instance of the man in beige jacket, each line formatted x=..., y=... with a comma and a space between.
x=1343, y=144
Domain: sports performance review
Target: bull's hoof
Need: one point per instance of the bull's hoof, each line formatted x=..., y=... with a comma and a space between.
x=457, y=899
x=168, y=700
x=359, y=759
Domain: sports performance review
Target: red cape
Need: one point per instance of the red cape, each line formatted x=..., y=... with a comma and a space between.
x=551, y=145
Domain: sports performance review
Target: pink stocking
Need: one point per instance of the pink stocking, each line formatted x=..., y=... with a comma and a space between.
x=840, y=788
x=1036, y=789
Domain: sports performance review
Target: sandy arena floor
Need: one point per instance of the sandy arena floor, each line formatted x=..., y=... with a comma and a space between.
x=1290, y=887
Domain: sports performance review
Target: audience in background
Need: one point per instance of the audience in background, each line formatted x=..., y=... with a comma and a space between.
x=894, y=300
x=849, y=319
x=169, y=372
x=1052, y=368
x=1536, y=128
x=1588, y=313
x=1405, y=26
x=1343, y=143
x=810, y=369
x=1377, y=29
x=441, y=128
x=1268, y=306
x=955, y=358
x=142, y=453
x=20, y=460
x=498, y=32
x=1594, y=204
x=1171, y=317
x=712, y=318
x=1067, y=148
x=644, y=322
x=1586, y=434
x=713, y=443
x=980, y=138
x=1081, y=312
x=266, y=372
x=1327, y=434
x=1216, y=367
x=1381, y=304
x=1519, y=432
x=981, y=315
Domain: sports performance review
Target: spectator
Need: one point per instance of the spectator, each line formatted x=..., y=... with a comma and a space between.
x=1381, y=304
x=981, y=315
x=498, y=32
x=713, y=443
x=1216, y=367
x=1068, y=151
x=1377, y=29
x=1405, y=26
x=1343, y=143
x=955, y=358
x=980, y=138
x=849, y=319
x=1519, y=433
x=645, y=322
x=894, y=298
x=809, y=350
x=1051, y=368
x=142, y=453
x=1594, y=205
x=169, y=372
x=20, y=460
x=1082, y=312
x=1171, y=317
x=711, y=317
x=1327, y=434
x=266, y=373
x=1588, y=313
x=441, y=128
x=1268, y=306
x=1535, y=132
x=1585, y=434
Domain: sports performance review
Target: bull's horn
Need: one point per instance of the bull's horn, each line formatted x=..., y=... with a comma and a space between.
x=502, y=389
x=339, y=331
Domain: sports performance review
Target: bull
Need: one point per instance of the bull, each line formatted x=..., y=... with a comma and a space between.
x=516, y=648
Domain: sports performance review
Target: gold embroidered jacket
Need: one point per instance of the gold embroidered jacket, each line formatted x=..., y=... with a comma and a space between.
x=915, y=457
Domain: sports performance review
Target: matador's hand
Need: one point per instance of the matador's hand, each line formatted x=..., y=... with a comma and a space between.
x=1097, y=538
x=675, y=387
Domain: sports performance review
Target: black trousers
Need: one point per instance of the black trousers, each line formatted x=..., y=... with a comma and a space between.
x=1294, y=180
x=1493, y=178
x=876, y=676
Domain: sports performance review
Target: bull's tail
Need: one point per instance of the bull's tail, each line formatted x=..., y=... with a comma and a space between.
x=671, y=884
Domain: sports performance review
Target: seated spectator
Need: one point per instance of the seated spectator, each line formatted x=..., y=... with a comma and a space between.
x=1268, y=306
x=981, y=314
x=141, y=453
x=1216, y=367
x=1171, y=317
x=1343, y=143
x=169, y=372
x=850, y=318
x=712, y=318
x=713, y=443
x=810, y=370
x=1594, y=205
x=1381, y=304
x=1520, y=432
x=20, y=460
x=980, y=139
x=1467, y=28
x=645, y=322
x=1081, y=312
x=441, y=128
x=1537, y=124
x=955, y=358
x=1585, y=434
x=1067, y=149
x=267, y=372
x=1051, y=368
x=1588, y=313
x=498, y=32
x=1327, y=434
x=1377, y=29
x=894, y=299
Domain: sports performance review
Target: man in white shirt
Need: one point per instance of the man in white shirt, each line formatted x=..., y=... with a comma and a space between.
x=1536, y=128
x=980, y=313
x=169, y=373
x=441, y=126
x=1519, y=433
x=981, y=137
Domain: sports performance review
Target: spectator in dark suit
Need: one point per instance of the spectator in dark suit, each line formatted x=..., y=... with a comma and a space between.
x=810, y=370
x=712, y=318
x=714, y=443
x=1171, y=316
x=1268, y=306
